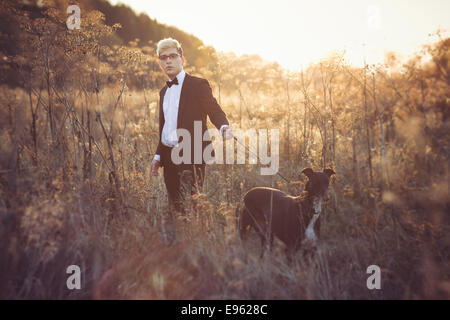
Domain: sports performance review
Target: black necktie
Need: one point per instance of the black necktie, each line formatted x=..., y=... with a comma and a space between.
x=171, y=83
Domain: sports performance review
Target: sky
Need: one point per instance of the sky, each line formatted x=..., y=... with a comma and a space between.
x=297, y=32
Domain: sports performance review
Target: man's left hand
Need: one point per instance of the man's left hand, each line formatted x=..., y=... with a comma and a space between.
x=227, y=133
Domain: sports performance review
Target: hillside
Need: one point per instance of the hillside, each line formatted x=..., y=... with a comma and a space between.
x=148, y=31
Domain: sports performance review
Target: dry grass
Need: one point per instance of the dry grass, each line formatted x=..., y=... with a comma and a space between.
x=75, y=186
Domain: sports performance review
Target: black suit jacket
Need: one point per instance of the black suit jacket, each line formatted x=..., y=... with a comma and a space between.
x=196, y=102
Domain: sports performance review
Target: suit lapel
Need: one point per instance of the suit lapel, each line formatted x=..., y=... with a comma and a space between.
x=183, y=98
x=161, y=101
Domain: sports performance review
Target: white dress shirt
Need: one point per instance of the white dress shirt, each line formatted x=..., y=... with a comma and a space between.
x=170, y=108
x=171, y=103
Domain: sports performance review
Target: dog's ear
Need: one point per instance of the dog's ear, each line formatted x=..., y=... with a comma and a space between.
x=308, y=172
x=329, y=172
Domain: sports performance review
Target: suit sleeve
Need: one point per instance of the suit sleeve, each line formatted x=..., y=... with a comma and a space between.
x=158, y=149
x=210, y=106
x=161, y=125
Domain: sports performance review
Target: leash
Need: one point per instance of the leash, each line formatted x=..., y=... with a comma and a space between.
x=249, y=151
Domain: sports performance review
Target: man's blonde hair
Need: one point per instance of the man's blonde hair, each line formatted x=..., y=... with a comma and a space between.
x=169, y=43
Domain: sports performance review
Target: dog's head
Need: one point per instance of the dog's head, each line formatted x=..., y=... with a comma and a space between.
x=317, y=186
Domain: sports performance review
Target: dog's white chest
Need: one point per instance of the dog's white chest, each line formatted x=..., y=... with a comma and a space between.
x=309, y=233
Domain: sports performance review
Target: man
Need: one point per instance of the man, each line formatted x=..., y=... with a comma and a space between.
x=183, y=100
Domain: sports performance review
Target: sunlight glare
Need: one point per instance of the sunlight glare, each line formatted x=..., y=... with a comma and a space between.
x=296, y=33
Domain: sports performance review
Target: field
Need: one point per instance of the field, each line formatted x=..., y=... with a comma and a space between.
x=79, y=133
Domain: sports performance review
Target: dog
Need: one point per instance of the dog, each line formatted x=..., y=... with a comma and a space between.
x=293, y=220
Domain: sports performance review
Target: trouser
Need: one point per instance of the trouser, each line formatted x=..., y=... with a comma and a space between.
x=181, y=180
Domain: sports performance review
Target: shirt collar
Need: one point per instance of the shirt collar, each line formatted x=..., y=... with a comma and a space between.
x=180, y=76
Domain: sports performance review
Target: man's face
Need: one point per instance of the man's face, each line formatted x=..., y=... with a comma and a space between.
x=171, y=62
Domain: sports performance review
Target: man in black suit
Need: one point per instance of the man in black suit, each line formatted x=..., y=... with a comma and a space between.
x=185, y=99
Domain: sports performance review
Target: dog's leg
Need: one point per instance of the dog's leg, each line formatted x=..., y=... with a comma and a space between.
x=260, y=231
